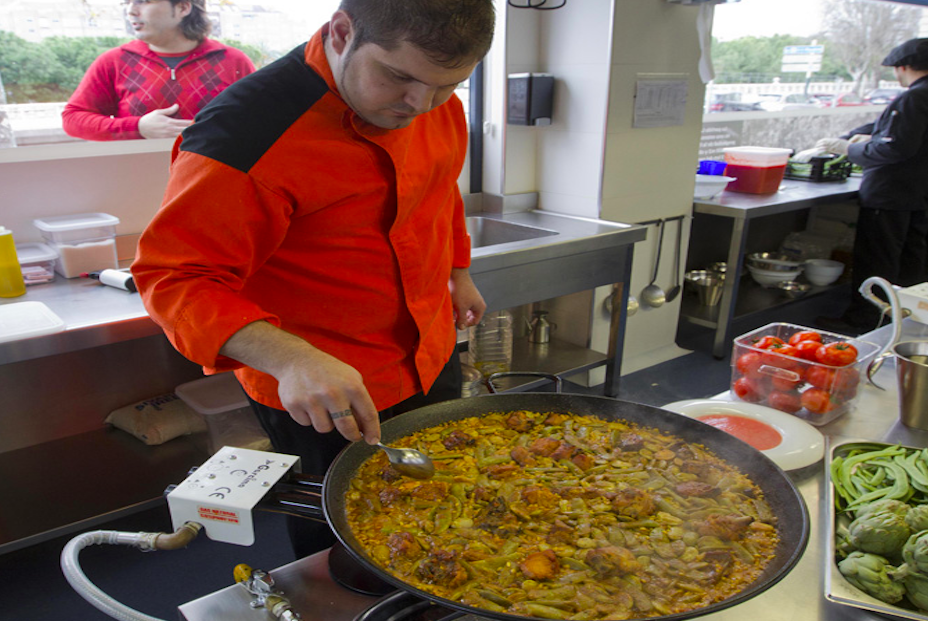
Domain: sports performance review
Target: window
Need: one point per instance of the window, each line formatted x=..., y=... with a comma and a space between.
x=41, y=66
x=788, y=72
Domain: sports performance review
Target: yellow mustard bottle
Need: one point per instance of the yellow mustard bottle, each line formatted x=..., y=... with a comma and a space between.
x=11, y=273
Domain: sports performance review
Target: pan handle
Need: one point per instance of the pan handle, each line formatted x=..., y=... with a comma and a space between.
x=558, y=382
x=299, y=495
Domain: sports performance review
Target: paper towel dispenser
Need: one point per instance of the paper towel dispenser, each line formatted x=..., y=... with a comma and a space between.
x=531, y=99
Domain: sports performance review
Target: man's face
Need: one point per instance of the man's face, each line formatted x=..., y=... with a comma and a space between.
x=902, y=76
x=156, y=22
x=389, y=89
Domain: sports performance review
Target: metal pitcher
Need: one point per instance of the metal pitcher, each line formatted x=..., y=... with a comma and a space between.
x=539, y=328
x=912, y=375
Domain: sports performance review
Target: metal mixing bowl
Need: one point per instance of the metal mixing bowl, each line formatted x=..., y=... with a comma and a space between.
x=772, y=261
x=793, y=289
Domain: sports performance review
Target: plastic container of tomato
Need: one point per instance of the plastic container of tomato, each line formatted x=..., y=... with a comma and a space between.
x=809, y=389
x=757, y=170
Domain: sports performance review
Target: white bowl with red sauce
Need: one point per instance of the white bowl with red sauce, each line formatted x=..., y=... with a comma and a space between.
x=790, y=442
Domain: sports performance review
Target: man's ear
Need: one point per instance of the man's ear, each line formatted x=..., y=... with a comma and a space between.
x=341, y=32
x=185, y=8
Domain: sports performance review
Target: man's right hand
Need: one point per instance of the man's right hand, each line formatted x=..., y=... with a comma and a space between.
x=313, y=386
x=160, y=124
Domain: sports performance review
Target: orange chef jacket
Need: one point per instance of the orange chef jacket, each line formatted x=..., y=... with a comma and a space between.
x=284, y=206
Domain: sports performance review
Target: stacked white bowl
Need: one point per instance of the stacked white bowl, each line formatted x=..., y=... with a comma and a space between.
x=823, y=272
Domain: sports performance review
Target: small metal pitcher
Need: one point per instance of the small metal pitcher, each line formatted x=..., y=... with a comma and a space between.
x=539, y=328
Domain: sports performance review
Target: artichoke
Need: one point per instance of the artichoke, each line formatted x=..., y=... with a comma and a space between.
x=916, y=589
x=871, y=574
x=915, y=555
x=879, y=532
x=885, y=504
x=917, y=518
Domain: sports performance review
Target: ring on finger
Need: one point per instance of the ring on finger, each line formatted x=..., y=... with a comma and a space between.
x=341, y=414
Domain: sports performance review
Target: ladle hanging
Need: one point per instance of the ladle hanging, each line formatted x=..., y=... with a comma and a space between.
x=677, y=258
x=653, y=295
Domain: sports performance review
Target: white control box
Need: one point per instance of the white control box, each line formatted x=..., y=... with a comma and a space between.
x=222, y=493
x=915, y=298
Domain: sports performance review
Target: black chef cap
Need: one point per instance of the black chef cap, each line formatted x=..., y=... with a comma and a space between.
x=913, y=51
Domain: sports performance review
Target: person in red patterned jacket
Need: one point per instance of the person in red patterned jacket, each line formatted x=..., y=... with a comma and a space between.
x=153, y=87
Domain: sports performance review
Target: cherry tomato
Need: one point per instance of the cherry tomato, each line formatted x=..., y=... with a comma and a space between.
x=846, y=380
x=817, y=401
x=805, y=335
x=747, y=364
x=785, y=383
x=837, y=354
x=767, y=341
x=779, y=354
x=784, y=401
x=821, y=377
x=746, y=389
x=807, y=349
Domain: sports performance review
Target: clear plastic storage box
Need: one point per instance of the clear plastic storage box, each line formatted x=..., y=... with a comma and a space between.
x=37, y=262
x=220, y=400
x=85, y=242
x=815, y=392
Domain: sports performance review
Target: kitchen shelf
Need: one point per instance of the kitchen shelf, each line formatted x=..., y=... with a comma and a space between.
x=752, y=298
x=730, y=216
x=75, y=483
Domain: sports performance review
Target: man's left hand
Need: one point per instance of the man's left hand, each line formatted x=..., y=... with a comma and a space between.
x=838, y=146
x=469, y=305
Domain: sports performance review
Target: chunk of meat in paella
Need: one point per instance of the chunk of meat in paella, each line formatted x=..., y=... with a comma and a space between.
x=611, y=561
x=441, y=567
x=727, y=527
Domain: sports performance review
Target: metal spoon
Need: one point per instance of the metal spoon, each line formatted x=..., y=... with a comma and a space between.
x=675, y=289
x=409, y=461
x=653, y=295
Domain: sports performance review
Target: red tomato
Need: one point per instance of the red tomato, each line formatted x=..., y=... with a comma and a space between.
x=747, y=364
x=784, y=383
x=784, y=401
x=807, y=349
x=746, y=389
x=837, y=354
x=767, y=341
x=817, y=401
x=846, y=380
x=821, y=377
x=805, y=335
x=779, y=354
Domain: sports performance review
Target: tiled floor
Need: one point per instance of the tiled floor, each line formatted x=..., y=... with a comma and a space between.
x=32, y=586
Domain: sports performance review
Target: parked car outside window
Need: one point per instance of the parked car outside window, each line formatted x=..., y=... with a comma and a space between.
x=731, y=102
x=882, y=96
x=774, y=102
x=837, y=100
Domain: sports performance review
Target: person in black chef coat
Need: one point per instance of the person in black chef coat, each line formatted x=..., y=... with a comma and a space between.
x=892, y=227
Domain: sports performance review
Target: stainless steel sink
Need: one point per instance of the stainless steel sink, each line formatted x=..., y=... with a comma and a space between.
x=491, y=231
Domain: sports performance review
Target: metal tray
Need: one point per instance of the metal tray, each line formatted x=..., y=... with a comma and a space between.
x=837, y=589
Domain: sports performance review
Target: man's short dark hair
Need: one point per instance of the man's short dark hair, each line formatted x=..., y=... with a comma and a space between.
x=453, y=33
x=196, y=26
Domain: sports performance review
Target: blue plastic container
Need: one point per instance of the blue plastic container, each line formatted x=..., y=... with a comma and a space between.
x=712, y=167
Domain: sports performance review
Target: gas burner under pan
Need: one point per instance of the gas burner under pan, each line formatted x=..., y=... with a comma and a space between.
x=403, y=606
x=349, y=573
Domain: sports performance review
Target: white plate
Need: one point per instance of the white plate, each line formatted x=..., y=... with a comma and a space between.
x=802, y=444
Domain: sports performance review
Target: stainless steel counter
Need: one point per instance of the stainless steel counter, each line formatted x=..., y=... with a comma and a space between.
x=798, y=597
x=741, y=209
x=584, y=253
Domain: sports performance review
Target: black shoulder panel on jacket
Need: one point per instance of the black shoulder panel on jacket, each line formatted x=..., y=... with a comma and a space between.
x=243, y=121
